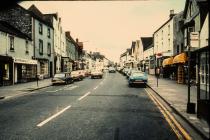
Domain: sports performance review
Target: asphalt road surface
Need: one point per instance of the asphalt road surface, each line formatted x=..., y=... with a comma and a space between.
x=92, y=109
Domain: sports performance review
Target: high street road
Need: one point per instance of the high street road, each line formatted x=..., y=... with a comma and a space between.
x=92, y=109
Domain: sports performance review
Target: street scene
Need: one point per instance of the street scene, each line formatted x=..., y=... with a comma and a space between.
x=104, y=70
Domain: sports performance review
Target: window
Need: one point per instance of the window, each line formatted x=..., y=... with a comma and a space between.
x=48, y=32
x=11, y=43
x=48, y=49
x=177, y=49
x=40, y=47
x=27, y=49
x=40, y=28
x=168, y=29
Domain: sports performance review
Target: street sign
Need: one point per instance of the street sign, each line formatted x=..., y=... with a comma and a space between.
x=194, y=39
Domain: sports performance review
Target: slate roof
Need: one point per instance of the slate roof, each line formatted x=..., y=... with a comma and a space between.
x=7, y=28
x=146, y=42
x=38, y=15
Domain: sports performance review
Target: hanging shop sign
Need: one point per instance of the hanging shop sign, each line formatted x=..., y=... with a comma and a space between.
x=194, y=39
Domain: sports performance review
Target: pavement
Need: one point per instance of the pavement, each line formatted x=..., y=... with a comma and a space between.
x=176, y=96
x=23, y=88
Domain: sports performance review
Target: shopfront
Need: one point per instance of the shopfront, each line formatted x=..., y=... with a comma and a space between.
x=6, y=70
x=203, y=84
x=24, y=70
x=66, y=64
x=179, y=62
x=168, y=69
x=43, y=68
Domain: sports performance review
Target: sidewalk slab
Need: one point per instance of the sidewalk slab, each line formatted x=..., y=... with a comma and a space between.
x=22, y=88
x=176, y=96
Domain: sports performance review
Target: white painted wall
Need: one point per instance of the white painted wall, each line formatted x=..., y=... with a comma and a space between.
x=148, y=53
x=19, y=47
x=204, y=34
x=141, y=52
x=163, y=39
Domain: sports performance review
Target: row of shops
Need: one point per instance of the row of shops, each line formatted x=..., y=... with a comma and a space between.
x=16, y=70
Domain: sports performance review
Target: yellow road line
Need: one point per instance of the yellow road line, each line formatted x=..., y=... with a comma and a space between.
x=170, y=119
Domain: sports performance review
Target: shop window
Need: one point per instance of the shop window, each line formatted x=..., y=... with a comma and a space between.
x=6, y=72
x=40, y=29
x=27, y=47
x=41, y=47
x=204, y=75
x=11, y=41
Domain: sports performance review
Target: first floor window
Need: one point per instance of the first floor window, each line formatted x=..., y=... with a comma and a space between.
x=41, y=47
x=48, y=49
x=27, y=49
x=11, y=41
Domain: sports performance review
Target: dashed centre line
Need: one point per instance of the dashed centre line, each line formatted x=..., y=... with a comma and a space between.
x=95, y=88
x=84, y=96
x=53, y=116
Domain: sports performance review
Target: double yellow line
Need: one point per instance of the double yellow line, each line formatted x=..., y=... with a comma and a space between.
x=176, y=127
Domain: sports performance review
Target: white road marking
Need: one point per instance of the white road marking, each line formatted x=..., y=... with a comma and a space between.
x=52, y=117
x=95, y=88
x=70, y=88
x=84, y=96
x=53, y=90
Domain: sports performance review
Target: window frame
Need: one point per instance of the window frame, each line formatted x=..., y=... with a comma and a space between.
x=40, y=47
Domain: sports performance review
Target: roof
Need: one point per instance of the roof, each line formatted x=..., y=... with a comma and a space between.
x=146, y=42
x=201, y=7
x=7, y=28
x=69, y=37
x=38, y=15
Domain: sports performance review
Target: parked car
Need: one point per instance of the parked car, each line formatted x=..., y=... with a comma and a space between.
x=137, y=78
x=62, y=78
x=96, y=74
x=125, y=71
x=75, y=75
x=112, y=70
x=87, y=72
x=82, y=74
x=131, y=71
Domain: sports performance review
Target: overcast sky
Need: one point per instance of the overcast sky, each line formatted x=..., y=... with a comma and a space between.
x=110, y=26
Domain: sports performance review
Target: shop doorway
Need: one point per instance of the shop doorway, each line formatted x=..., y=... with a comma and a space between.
x=1, y=75
x=19, y=73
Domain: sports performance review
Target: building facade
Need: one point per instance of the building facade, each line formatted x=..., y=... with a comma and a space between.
x=16, y=63
x=196, y=43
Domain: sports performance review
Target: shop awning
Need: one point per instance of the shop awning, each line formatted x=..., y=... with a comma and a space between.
x=167, y=61
x=180, y=58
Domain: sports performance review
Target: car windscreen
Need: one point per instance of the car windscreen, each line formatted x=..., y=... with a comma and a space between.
x=59, y=75
x=136, y=74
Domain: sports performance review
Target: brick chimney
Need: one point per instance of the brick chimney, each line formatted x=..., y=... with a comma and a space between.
x=68, y=33
x=77, y=40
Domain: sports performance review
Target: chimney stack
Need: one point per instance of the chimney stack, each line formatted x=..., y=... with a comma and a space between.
x=171, y=13
x=77, y=40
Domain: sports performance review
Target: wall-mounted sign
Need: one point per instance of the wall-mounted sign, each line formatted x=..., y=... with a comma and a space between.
x=194, y=39
x=25, y=61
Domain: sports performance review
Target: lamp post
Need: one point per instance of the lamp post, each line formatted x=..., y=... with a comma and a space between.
x=190, y=106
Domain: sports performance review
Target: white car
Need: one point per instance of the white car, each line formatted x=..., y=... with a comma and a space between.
x=96, y=74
